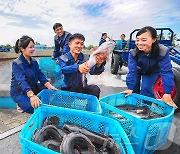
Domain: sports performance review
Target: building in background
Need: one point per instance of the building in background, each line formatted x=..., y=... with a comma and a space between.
x=39, y=46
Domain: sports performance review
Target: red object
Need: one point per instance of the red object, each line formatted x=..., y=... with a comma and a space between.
x=159, y=90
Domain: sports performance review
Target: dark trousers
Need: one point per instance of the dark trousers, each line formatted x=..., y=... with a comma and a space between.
x=89, y=89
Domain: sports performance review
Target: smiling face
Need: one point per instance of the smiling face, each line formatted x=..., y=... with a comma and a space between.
x=144, y=42
x=76, y=45
x=104, y=36
x=59, y=31
x=29, y=50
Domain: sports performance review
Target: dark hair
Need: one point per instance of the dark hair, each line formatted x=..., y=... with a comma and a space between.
x=103, y=35
x=78, y=36
x=56, y=25
x=22, y=42
x=123, y=35
x=153, y=32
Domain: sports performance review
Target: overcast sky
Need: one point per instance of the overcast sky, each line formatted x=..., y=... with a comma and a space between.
x=89, y=17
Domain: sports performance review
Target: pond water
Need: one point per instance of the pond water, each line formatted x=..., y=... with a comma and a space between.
x=5, y=74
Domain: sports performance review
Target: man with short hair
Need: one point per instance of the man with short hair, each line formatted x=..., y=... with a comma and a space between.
x=73, y=66
x=61, y=40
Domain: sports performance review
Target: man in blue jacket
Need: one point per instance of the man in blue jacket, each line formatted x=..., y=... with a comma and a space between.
x=74, y=68
x=61, y=40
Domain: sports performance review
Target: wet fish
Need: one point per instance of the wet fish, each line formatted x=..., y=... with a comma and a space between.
x=47, y=133
x=142, y=112
x=106, y=48
x=95, y=138
x=51, y=144
x=54, y=120
x=72, y=142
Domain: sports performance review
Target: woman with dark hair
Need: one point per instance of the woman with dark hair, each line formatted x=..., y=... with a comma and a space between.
x=103, y=38
x=148, y=61
x=25, y=77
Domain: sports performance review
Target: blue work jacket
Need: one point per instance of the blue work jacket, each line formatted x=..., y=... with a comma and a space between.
x=25, y=76
x=146, y=64
x=102, y=41
x=69, y=67
x=61, y=44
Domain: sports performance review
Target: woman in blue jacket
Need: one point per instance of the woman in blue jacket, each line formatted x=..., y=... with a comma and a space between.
x=148, y=61
x=25, y=76
x=103, y=38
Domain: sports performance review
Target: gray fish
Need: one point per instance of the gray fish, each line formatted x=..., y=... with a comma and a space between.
x=54, y=120
x=70, y=144
x=51, y=144
x=47, y=133
x=142, y=112
x=95, y=138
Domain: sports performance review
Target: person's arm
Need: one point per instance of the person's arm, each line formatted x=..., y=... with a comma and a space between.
x=20, y=77
x=167, y=79
x=132, y=73
x=56, y=48
x=22, y=82
x=66, y=46
x=42, y=78
x=71, y=69
x=167, y=74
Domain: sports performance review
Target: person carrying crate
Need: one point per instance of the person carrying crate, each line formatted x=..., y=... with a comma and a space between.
x=73, y=66
x=148, y=61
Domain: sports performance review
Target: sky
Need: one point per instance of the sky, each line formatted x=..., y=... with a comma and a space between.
x=88, y=17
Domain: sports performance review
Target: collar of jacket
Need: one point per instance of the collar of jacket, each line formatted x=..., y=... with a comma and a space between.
x=70, y=57
x=60, y=38
x=23, y=59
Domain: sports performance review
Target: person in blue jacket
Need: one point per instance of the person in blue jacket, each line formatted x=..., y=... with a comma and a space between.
x=74, y=68
x=61, y=40
x=148, y=61
x=124, y=42
x=25, y=76
x=103, y=38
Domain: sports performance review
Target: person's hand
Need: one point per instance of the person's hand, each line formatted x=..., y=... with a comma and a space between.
x=83, y=68
x=168, y=100
x=35, y=101
x=100, y=58
x=50, y=86
x=128, y=92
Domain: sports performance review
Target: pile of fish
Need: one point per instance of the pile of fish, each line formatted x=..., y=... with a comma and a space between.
x=142, y=112
x=72, y=139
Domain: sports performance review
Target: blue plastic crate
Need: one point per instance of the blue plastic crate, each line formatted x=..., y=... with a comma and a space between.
x=70, y=100
x=92, y=122
x=146, y=136
x=49, y=67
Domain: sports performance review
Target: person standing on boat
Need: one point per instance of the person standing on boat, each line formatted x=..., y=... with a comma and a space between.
x=61, y=40
x=25, y=76
x=148, y=61
x=73, y=66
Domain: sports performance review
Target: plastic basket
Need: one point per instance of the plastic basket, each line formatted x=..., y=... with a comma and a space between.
x=70, y=100
x=146, y=136
x=49, y=67
x=93, y=122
